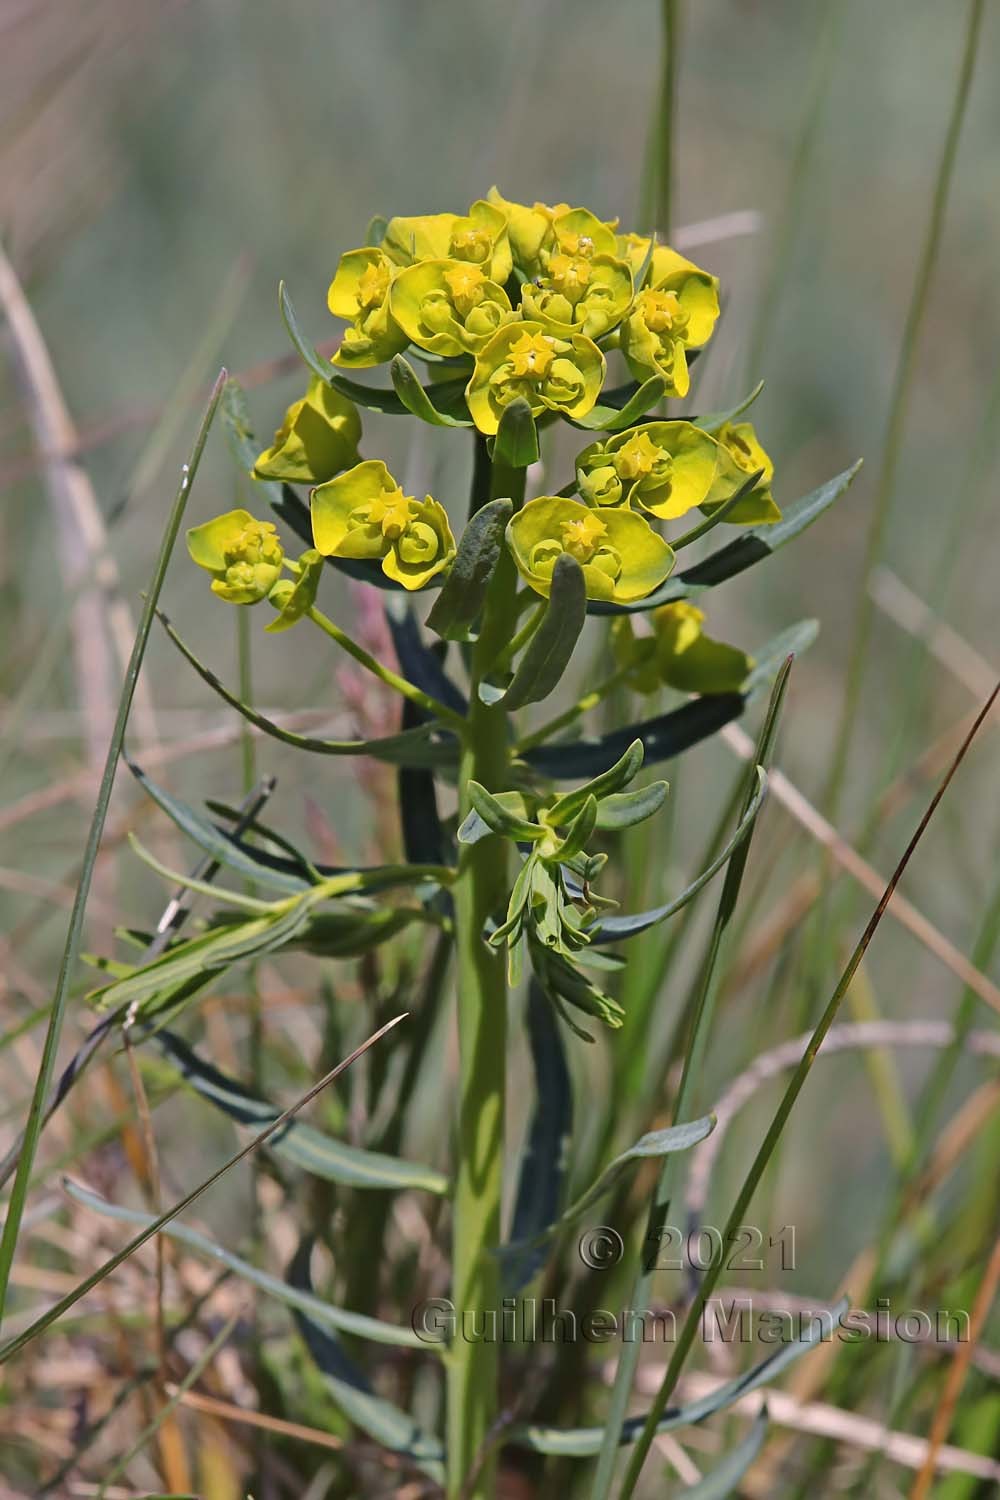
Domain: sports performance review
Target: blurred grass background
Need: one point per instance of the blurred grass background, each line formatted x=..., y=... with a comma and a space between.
x=163, y=164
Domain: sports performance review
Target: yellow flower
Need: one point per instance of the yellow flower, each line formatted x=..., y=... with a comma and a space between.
x=691, y=661
x=676, y=310
x=448, y=306
x=552, y=374
x=319, y=435
x=478, y=237
x=360, y=293
x=740, y=455
x=622, y=557
x=542, y=231
x=579, y=294
x=243, y=555
x=364, y=514
x=667, y=468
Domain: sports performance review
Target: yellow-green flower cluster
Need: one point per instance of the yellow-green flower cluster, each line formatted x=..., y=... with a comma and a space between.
x=363, y=514
x=679, y=654
x=455, y=285
x=243, y=555
x=621, y=556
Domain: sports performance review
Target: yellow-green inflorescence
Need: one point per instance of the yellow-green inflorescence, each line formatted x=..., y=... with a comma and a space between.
x=243, y=555
x=508, y=302
x=364, y=515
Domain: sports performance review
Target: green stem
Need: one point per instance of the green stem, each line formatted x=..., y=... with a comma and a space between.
x=481, y=889
x=898, y=409
x=575, y=711
x=391, y=679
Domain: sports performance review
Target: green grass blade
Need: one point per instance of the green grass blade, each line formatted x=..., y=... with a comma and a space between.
x=795, y=1086
x=46, y=1071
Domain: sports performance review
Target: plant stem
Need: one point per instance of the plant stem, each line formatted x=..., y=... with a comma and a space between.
x=482, y=887
x=391, y=679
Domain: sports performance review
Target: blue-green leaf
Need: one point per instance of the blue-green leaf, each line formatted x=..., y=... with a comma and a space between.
x=416, y=400
x=460, y=601
x=585, y=1442
x=750, y=547
x=548, y=653
x=322, y=1313
x=412, y=747
x=615, y=419
x=662, y=738
x=516, y=443
x=713, y=420
x=298, y=1143
x=626, y=809
x=351, y=1390
x=542, y=1173
x=319, y=366
x=724, y=1478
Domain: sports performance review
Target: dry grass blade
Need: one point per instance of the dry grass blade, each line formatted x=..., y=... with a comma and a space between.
x=819, y=1419
x=795, y=1086
x=945, y=1413
x=806, y=815
x=56, y=1312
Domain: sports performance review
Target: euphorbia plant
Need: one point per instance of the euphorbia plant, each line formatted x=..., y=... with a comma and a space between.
x=517, y=313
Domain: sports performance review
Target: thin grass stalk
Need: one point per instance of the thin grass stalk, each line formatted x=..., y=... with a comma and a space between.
x=701, y=1025
x=776, y=1128
x=46, y=1072
x=658, y=174
x=799, y=177
x=898, y=411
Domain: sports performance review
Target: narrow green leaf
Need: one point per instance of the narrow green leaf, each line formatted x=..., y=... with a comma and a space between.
x=501, y=812
x=212, y=840
x=580, y=830
x=613, y=419
x=54, y=1313
x=656, y=1143
x=319, y=366
x=548, y=653
x=625, y=809
x=461, y=599
x=46, y=1070
x=323, y=1313
x=416, y=399
x=300, y=1144
x=542, y=1172
x=713, y=420
x=351, y=1391
x=614, y=779
x=616, y=929
x=750, y=547
x=516, y=443
x=724, y=1478
x=585, y=1442
x=416, y=747
x=769, y=659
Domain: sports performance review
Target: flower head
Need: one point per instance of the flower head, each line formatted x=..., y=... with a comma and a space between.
x=579, y=294
x=243, y=555
x=740, y=455
x=448, y=306
x=359, y=293
x=543, y=231
x=318, y=436
x=678, y=653
x=478, y=237
x=676, y=310
x=622, y=557
x=523, y=359
x=364, y=514
x=666, y=468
